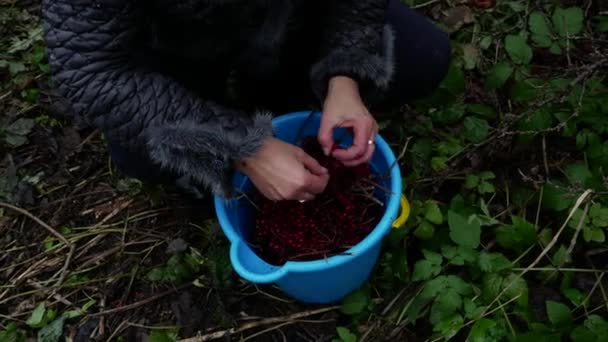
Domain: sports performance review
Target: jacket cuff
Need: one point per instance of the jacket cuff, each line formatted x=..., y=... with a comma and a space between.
x=206, y=152
x=373, y=71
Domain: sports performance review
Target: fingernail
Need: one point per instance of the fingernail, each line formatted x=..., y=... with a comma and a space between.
x=326, y=151
x=325, y=170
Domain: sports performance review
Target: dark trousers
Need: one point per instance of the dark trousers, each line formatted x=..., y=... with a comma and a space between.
x=422, y=57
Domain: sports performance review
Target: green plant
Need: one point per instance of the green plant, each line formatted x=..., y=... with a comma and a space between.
x=179, y=268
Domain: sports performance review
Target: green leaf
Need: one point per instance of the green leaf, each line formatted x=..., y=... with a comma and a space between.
x=449, y=146
x=425, y=231
x=12, y=334
x=449, y=115
x=433, y=257
x=519, y=236
x=438, y=164
x=479, y=330
x=574, y=295
x=541, y=33
x=601, y=23
x=459, y=255
x=578, y=174
x=578, y=218
x=37, y=316
x=471, y=309
x=440, y=312
x=597, y=325
x=555, y=198
x=158, y=335
x=464, y=232
x=475, y=129
x=568, y=22
x=355, y=302
x=21, y=127
x=434, y=287
x=561, y=257
x=517, y=6
x=481, y=110
x=493, y=262
x=52, y=332
x=598, y=215
x=15, y=140
x=450, y=300
x=527, y=90
x=491, y=286
x=156, y=274
x=346, y=335
x=539, y=120
x=16, y=67
x=555, y=49
x=486, y=188
x=432, y=213
x=581, y=138
x=454, y=80
x=486, y=175
x=558, y=313
x=516, y=286
x=582, y=334
x=425, y=269
x=471, y=181
x=518, y=49
x=457, y=284
x=498, y=76
x=485, y=42
x=448, y=327
x=591, y=233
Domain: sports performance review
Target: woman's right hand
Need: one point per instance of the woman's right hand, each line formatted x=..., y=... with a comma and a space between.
x=281, y=171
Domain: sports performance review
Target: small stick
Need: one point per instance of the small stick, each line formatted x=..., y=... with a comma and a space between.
x=266, y=321
x=57, y=297
x=377, y=185
x=140, y=303
x=244, y=195
x=579, y=227
x=68, y=259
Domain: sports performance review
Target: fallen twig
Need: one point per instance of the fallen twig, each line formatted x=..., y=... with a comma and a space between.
x=266, y=321
x=68, y=259
x=140, y=303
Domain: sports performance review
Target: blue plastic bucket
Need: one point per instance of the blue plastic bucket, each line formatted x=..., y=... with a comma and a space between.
x=318, y=281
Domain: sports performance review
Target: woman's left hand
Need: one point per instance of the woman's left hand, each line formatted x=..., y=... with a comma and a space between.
x=343, y=107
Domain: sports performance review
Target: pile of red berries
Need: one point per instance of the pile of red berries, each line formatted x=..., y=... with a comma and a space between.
x=334, y=221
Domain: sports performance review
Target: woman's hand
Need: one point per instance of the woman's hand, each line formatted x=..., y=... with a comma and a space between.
x=343, y=107
x=281, y=171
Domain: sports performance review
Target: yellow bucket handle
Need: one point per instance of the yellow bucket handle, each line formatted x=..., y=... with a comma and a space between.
x=405, y=213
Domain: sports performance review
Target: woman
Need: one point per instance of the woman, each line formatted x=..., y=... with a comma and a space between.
x=182, y=88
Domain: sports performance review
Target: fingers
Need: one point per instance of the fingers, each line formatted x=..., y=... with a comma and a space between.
x=326, y=135
x=305, y=196
x=317, y=184
x=363, y=146
x=312, y=164
x=364, y=159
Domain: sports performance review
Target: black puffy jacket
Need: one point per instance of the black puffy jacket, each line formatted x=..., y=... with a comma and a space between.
x=160, y=76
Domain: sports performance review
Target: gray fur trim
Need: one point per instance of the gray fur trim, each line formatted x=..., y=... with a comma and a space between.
x=366, y=67
x=206, y=152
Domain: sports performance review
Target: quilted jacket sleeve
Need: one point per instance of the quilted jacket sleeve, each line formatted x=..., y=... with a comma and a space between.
x=357, y=43
x=145, y=110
